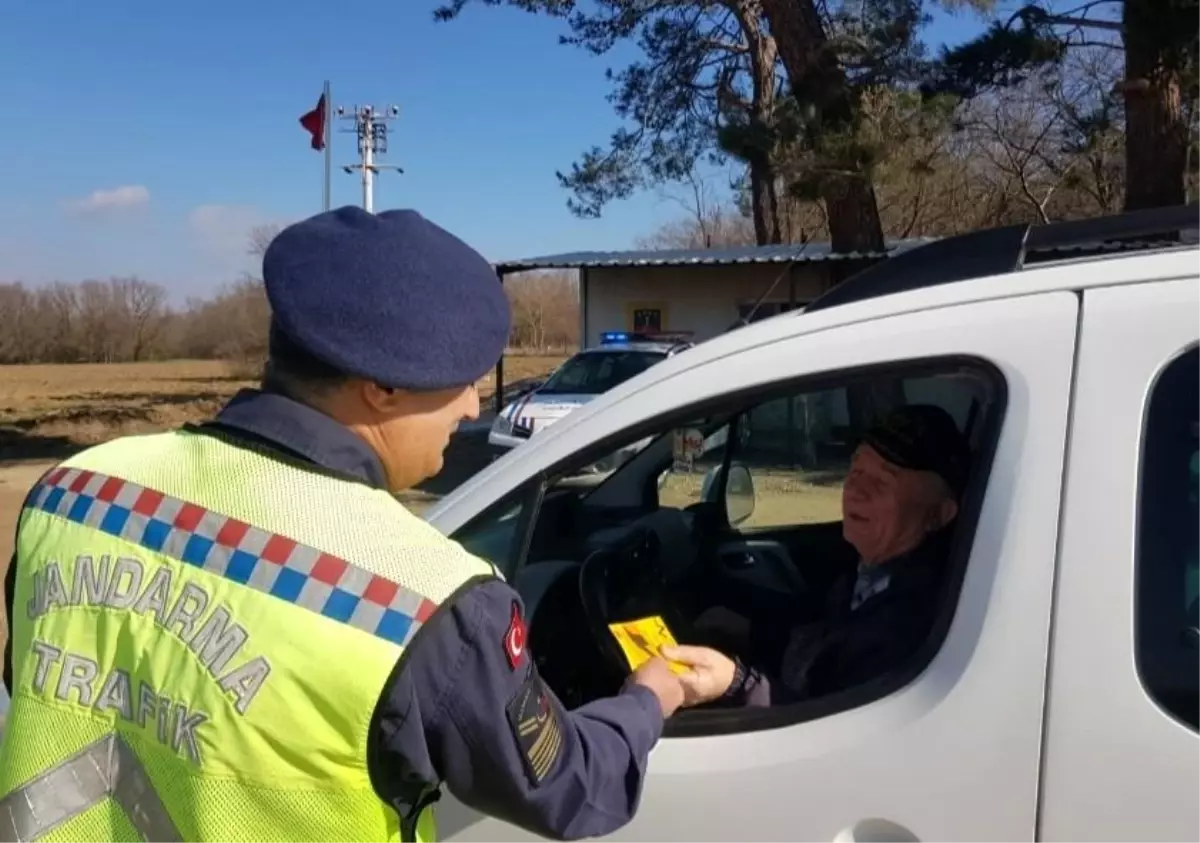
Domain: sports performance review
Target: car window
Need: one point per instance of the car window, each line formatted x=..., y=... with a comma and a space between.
x=592, y=373
x=1168, y=561
x=742, y=501
x=797, y=448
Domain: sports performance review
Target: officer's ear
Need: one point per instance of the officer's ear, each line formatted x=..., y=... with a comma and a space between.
x=384, y=400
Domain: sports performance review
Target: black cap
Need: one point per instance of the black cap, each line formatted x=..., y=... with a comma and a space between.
x=923, y=437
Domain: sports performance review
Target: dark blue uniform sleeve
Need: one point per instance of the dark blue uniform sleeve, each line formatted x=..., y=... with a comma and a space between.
x=10, y=587
x=465, y=712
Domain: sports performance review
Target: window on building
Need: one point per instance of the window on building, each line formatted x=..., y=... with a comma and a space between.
x=1168, y=563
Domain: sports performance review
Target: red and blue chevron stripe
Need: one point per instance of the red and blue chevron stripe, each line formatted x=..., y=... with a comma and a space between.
x=234, y=550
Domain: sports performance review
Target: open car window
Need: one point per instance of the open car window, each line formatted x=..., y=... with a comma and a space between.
x=735, y=504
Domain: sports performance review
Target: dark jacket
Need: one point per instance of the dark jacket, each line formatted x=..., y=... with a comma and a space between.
x=451, y=714
x=852, y=644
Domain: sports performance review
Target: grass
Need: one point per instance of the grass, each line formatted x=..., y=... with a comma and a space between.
x=781, y=497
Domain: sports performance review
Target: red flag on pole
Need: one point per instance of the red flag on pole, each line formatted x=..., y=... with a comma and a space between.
x=314, y=123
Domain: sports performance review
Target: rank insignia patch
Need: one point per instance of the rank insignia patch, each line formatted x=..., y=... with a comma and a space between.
x=536, y=728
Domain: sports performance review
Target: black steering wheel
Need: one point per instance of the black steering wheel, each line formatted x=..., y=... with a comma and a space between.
x=621, y=582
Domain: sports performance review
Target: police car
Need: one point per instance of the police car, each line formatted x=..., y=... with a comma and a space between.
x=1056, y=695
x=620, y=356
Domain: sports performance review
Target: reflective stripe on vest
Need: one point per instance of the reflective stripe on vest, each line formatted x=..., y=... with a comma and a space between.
x=229, y=548
x=107, y=768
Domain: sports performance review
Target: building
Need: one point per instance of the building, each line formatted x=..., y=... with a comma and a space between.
x=697, y=292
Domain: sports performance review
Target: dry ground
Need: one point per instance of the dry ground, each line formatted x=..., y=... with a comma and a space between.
x=49, y=412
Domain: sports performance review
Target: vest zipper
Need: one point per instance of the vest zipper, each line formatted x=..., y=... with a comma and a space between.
x=408, y=825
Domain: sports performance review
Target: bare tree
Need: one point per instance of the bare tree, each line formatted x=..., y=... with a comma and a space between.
x=545, y=309
x=260, y=238
x=144, y=311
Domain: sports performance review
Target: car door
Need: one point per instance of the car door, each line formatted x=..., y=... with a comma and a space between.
x=1122, y=757
x=953, y=755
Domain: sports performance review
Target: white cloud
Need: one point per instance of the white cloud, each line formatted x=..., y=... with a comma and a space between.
x=121, y=198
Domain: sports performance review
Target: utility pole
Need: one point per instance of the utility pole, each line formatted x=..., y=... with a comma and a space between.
x=371, y=129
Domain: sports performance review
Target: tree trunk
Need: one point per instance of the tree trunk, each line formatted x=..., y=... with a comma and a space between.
x=815, y=75
x=764, y=194
x=764, y=201
x=1156, y=132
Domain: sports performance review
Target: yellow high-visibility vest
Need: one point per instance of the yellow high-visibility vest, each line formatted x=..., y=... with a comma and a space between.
x=200, y=634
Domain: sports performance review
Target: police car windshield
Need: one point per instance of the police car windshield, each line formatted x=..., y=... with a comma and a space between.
x=594, y=372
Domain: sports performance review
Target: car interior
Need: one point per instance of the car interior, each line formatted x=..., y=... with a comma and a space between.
x=603, y=539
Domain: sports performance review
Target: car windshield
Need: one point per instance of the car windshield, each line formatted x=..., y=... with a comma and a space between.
x=594, y=372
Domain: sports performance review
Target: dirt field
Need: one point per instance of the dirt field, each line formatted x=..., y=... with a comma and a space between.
x=50, y=412
x=47, y=412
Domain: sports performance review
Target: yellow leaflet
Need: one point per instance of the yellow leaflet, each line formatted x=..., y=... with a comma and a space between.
x=642, y=639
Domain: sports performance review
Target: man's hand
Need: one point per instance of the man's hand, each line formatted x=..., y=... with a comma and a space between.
x=656, y=676
x=710, y=676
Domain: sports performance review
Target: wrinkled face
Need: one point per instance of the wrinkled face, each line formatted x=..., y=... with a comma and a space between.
x=410, y=430
x=888, y=510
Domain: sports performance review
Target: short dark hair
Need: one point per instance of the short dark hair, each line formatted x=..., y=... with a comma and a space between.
x=292, y=371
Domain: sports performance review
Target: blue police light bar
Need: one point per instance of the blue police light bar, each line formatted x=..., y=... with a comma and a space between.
x=614, y=336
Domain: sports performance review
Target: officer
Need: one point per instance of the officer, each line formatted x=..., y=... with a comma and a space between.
x=234, y=631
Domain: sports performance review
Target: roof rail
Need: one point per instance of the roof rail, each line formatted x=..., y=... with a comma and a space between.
x=995, y=251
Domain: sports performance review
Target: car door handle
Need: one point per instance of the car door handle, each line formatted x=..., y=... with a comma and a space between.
x=875, y=830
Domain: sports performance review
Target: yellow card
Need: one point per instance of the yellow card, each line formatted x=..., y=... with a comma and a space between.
x=642, y=639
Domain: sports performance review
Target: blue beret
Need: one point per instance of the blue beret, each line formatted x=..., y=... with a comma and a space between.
x=390, y=297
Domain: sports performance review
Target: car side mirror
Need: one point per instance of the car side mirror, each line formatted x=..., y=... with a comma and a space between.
x=739, y=491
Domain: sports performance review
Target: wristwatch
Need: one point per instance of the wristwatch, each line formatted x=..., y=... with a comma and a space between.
x=738, y=683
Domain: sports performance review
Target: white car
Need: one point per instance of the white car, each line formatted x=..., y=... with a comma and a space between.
x=620, y=356
x=1056, y=695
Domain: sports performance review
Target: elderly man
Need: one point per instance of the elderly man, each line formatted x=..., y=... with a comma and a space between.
x=898, y=502
x=234, y=631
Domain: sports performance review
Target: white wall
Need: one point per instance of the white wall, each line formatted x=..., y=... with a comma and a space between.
x=702, y=299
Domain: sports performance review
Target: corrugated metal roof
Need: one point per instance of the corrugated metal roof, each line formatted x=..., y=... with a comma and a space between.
x=785, y=253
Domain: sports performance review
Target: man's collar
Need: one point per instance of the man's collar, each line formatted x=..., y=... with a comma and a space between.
x=306, y=432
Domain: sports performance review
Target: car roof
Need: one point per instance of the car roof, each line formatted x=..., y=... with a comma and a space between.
x=1017, y=248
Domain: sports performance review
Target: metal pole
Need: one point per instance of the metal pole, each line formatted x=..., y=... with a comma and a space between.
x=498, y=397
x=370, y=129
x=328, y=145
x=368, y=175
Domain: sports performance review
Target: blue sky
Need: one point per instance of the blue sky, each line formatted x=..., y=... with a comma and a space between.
x=148, y=137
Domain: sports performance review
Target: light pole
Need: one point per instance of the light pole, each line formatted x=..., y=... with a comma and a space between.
x=371, y=129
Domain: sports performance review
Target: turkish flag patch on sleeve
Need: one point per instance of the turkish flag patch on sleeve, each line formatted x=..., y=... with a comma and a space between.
x=514, y=638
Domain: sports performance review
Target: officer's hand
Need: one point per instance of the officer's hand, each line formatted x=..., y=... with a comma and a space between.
x=710, y=676
x=656, y=676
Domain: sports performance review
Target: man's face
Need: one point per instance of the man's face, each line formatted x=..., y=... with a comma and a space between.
x=888, y=510
x=411, y=430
